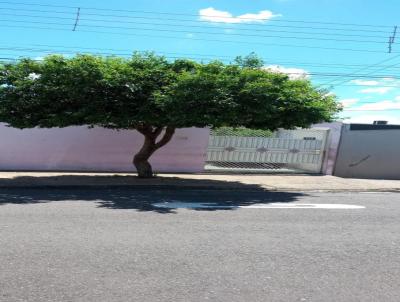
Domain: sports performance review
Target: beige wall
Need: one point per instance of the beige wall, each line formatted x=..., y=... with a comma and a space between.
x=369, y=154
x=97, y=149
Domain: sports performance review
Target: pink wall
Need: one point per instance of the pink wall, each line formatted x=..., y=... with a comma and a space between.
x=97, y=149
x=332, y=145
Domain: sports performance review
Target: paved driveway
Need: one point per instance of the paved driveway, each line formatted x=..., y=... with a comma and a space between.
x=115, y=245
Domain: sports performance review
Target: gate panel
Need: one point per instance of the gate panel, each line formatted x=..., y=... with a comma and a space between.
x=297, y=149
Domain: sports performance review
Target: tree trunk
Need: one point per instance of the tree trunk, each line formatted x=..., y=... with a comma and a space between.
x=140, y=160
x=150, y=145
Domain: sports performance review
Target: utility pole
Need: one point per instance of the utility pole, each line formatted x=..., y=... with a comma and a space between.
x=77, y=18
x=392, y=39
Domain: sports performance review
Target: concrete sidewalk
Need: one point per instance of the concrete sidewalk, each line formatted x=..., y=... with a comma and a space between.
x=198, y=181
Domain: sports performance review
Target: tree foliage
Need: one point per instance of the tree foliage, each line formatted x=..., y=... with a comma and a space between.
x=241, y=131
x=154, y=96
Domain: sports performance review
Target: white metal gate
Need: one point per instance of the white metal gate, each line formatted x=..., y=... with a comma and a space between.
x=289, y=150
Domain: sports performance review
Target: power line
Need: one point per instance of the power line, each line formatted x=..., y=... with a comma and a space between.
x=362, y=69
x=354, y=109
x=206, y=55
x=268, y=61
x=364, y=87
x=111, y=51
x=9, y=58
x=321, y=74
x=192, y=15
x=199, y=21
x=114, y=50
x=196, y=26
x=370, y=102
x=195, y=32
x=365, y=110
x=127, y=52
x=383, y=68
x=79, y=48
x=201, y=39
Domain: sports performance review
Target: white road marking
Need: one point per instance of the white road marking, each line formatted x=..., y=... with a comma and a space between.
x=375, y=192
x=275, y=205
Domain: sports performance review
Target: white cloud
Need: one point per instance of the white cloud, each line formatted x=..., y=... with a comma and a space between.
x=364, y=82
x=379, y=90
x=213, y=15
x=348, y=102
x=389, y=79
x=383, y=105
x=397, y=98
x=293, y=73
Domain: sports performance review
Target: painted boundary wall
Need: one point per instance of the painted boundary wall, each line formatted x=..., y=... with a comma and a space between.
x=97, y=149
x=370, y=152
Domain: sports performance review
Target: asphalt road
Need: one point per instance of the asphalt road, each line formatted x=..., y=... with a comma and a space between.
x=114, y=245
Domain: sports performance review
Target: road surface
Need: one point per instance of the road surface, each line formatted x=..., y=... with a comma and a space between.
x=127, y=245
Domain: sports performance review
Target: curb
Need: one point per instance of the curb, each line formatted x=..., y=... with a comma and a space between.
x=180, y=187
x=137, y=187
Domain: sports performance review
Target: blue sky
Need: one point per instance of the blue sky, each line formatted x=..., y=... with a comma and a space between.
x=338, y=44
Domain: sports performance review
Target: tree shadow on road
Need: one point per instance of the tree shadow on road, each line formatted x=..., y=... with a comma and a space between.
x=145, y=197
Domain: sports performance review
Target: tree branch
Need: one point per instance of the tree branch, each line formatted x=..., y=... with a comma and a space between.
x=146, y=130
x=157, y=132
x=169, y=132
x=140, y=130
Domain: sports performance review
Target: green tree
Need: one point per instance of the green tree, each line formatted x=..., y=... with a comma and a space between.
x=250, y=61
x=155, y=96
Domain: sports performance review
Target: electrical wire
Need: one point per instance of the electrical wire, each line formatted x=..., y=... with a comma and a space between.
x=365, y=110
x=206, y=55
x=192, y=15
x=200, y=21
x=201, y=39
x=194, y=32
x=319, y=74
x=332, y=83
x=72, y=18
